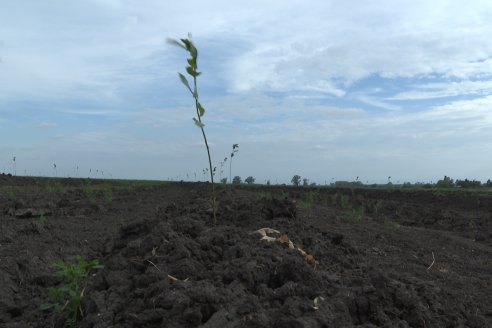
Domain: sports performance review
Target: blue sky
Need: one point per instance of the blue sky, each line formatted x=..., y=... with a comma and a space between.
x=323, y=89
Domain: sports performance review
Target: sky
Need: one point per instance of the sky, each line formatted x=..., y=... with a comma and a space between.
x=328, y=90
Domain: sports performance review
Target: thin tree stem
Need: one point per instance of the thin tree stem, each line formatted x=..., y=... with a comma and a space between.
x=208, y=151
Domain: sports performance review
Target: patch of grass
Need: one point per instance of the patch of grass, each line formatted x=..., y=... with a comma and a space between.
x=107, y=194
x=11, y=194
x=310, y=198
x=56, y=187
x=377, y=206
x=341, y=200
x=89, y=192
x=263, y=195
x=68, y=297
x=355, y=214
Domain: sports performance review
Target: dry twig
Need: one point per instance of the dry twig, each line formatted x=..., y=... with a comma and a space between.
x=433, y=261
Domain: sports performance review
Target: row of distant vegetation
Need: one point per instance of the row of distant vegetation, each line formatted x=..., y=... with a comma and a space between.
x=297, y=180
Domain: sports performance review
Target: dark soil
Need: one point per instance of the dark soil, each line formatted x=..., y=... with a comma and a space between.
x=382, y=258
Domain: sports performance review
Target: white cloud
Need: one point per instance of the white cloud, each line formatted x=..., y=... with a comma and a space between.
x=47, y=125
x=449, y=89
x=310, y=45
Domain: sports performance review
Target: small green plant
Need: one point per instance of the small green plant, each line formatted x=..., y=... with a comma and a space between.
x=56, y=187
x=68, y=297
x=341, y=200
x=11, y=194
x=89, y=191
x=263, y=195
x=42, y=218
x=311, y=197
x=356, y=214
x=192, y=70
x=378, y=206
x=235, y=149
x=107, y=193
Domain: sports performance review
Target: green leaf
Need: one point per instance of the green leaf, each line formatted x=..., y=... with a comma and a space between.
x=187, y=44
x=46, y=306
x=192, y=62
x=201, y=110
x=192, y=71
x=198, y=123
x=193, y=51
x=185, y=81
x=232, y=155
x=175, y=43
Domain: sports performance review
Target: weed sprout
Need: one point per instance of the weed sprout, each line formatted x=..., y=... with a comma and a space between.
x=68, y=297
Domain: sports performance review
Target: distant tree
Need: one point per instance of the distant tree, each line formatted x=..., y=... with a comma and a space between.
x=236, y=180
x=489, y=183
x=268, y=182
x=313, y=184
x=250, y=180
x=468, y=183
x=296, y=180
x=446, y=182
x=305, y=182
x=223, y=180
x=407, y=185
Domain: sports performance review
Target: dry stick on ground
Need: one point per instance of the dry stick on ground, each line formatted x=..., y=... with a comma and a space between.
x=168, y=276
x=433, y=261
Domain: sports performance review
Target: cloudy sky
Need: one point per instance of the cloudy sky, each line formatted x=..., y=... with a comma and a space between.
x=324, y=89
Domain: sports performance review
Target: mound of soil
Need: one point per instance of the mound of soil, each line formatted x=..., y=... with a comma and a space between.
x=378, y=258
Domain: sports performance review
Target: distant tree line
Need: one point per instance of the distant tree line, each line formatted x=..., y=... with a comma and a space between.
x=445, y=182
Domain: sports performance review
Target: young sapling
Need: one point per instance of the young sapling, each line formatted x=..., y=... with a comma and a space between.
x=221, y=166
x=235, y=149
x=192, y=70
